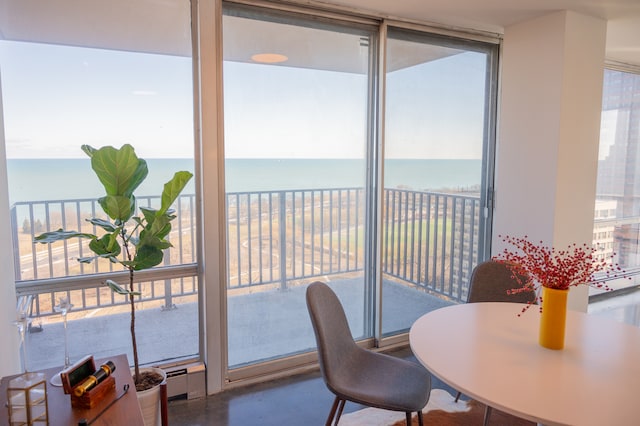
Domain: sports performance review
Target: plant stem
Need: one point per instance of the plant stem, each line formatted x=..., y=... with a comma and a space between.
x=127, y=253
x=136, y=365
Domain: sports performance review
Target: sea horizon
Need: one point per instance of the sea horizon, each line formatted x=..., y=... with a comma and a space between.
x=65, y=179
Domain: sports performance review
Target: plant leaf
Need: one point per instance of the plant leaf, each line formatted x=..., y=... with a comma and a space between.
x=172, y=189
x=161, y=226
x=106, y=246
x=149, y=213
x=59, y=235
x=89, y=150
x=104, y=224
x=119, y=170
x=147, y=257
x=118, y=207
x=117, y=288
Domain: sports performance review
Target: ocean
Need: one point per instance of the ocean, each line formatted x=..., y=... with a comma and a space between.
x=64, y=179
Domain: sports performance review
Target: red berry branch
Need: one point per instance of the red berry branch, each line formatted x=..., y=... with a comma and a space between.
x=534, y=265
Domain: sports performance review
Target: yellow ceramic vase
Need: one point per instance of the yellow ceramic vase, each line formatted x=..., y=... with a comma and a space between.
x=553, y=318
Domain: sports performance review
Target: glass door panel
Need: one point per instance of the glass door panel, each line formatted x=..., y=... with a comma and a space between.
x=436, y=136
x=99, y=88
x=295, y=95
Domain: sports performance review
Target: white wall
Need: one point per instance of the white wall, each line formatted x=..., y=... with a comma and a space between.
x=9, y=355
x=551, y=101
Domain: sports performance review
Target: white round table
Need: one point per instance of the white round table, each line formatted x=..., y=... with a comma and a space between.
x=490, y=354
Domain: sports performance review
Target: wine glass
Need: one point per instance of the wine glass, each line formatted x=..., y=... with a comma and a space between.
x=22, y=323
x=63, y=307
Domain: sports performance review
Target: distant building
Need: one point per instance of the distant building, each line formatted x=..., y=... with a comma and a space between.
x=619, y=163
x=604, y=227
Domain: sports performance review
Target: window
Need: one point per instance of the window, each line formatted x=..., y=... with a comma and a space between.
x=434, y=226
x=296, y=116
x=617, y=213
x=302, y=175
x=314, y=189
x=95, y=90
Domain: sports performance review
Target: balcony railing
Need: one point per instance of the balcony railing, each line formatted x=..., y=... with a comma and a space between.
x=273, y=238
x=429, y=240
x=303, y=233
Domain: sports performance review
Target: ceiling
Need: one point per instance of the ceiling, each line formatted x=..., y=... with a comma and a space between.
x=149, y=25
x=623, y=16
x=152, y=26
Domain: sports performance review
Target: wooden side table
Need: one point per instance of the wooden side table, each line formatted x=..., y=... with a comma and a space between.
x=124, y=411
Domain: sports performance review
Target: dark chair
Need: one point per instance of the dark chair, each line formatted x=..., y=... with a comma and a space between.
x=489, y=282
x=358, y=375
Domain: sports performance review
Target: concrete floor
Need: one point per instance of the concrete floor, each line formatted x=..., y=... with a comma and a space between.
x=298, y=400
x=294, y=400
x=304, y=399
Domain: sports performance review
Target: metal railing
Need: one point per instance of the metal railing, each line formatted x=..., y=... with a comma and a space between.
x=279, y=236
x=273, y=238
x=35, y=261
x=51, y=271
x=429, y=240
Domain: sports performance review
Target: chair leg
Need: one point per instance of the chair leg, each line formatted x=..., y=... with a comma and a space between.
x=332, y=413
x=340, y=408
x=487, y=414
x=420, y=421
x=458, y=396
x=408, y=416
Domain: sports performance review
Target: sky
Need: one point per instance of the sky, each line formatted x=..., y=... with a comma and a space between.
x=297, y=113
x=57, y=98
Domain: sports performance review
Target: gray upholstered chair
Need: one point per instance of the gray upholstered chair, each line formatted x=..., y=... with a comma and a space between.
x=489, y=282
x=358, y=375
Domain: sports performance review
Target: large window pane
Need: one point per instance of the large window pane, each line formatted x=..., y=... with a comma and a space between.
x=616, y=229
x=56, y=98
x=295, y=159
x=437, y=131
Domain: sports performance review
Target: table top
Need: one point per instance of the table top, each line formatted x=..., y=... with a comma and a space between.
x=490, y=354
x=125, y=411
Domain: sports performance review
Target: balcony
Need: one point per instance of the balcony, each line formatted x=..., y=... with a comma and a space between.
x=170, y=335
x=278, y=241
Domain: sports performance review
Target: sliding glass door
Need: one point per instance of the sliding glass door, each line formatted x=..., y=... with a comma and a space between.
x=393, y=221
x=296, y=94
x=438, y=129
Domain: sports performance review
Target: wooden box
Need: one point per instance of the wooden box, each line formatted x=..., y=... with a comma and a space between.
x=76, y=374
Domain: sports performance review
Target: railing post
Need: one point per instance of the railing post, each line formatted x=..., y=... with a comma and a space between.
x=282, y=229
x=168, y=296
x=16, y=246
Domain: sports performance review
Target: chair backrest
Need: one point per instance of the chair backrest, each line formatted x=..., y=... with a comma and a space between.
x=333, y=336
x=490, y=281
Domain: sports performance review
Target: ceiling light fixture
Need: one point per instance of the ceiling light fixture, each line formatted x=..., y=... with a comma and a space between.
x=269, y=58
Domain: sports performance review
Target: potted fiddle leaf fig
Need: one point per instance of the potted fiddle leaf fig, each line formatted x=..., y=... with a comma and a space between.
x=131, y=236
